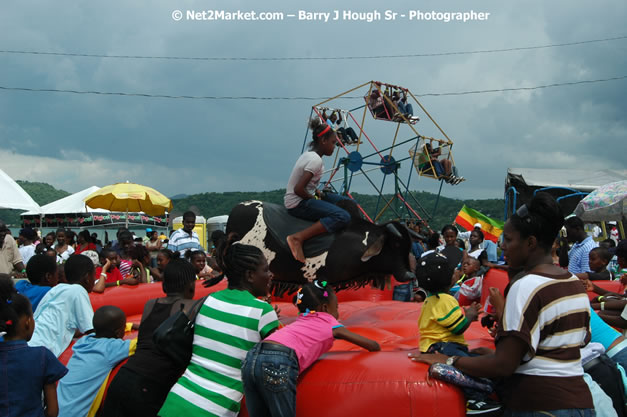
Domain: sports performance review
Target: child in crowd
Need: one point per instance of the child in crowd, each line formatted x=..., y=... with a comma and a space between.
x=442, y=323
x=228, y=325
x=450, y=250
x=199, y=260
x=62, y=247
x=142, y=384
x=125, y=239
x=141, y=259
x=598, y=259
x=66, y=309
x=26, y=371
x=289, y=351
x=163, y=258
x=94, y=356
x=41, y=272
x=110, y=271
x=470, y=284
x=303, y=199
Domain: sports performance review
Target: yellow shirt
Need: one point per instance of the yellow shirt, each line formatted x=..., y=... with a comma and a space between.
x=441, y=320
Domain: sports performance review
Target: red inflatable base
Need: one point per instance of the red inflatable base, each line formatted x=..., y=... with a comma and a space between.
x=348, y=381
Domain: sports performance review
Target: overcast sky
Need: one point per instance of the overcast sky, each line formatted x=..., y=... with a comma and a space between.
x=190, y=146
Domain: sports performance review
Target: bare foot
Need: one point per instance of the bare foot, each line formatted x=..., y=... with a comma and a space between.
x=296, y=246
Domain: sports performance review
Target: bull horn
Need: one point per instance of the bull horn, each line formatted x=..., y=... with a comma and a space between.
x=391, y=227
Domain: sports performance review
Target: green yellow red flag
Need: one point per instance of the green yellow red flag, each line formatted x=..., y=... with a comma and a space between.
x=467, y=218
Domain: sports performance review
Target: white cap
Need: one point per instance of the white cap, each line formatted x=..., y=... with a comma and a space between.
x=478, y=225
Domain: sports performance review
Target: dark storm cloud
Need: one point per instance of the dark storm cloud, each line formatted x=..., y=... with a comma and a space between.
x=194, y=145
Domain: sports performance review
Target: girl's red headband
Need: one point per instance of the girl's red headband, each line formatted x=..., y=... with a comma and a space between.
x=326, y=129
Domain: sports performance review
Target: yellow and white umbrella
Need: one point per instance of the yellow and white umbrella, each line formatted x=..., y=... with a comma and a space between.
x=130, y=197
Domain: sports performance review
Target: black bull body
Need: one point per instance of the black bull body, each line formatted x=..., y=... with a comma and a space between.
x=362, y=253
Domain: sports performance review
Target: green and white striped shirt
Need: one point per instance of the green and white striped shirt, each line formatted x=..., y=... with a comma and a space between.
x=228, y=325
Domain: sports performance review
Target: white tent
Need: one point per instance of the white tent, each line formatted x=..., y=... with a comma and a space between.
x=12, y=196
x=68, y=205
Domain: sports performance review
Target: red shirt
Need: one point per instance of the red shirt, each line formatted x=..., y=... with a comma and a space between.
x=112, y=276
x=90, y=246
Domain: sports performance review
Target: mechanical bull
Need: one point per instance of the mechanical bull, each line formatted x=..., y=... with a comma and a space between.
x=361, y=253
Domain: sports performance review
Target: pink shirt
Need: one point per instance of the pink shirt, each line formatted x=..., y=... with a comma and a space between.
x=310, y=336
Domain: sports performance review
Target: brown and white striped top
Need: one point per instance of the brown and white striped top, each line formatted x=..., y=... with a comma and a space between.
x=551, y=315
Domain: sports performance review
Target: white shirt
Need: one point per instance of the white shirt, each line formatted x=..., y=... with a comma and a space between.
x=311, y=162
x=27, y=252
x=63, y=310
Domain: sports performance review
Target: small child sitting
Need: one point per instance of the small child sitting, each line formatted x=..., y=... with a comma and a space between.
x=442, y=323
x=95, y=355
x=66, y=309
x=470, y=284
x=271, y=368
x=41, y=272
x=26, y=371
x=598, y=259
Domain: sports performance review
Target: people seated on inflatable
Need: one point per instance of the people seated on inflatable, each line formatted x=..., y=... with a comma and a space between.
x=81, y=391
x=28, y=373
x=302, y=197
x=346, y=134
x=537, y=348
x=429, y=164
x=453, y=253
x=140, y=269
x=142, y=384
x=598, y=260
x=110, y=272
x=442, y=323
x=228, y=325
x=65, y=311
x=163, y=258
x=289, y=351
x=198, y=259
x=41, y=272
x=471, y=282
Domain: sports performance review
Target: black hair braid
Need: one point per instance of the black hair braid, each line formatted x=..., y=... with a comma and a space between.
x=12, y=306
x=235, y=259
x=177, y=274
x=190, y=254
x=312, y=295
x=544, y=220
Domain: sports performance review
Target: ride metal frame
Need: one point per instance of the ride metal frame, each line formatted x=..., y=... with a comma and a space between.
x=352, y=162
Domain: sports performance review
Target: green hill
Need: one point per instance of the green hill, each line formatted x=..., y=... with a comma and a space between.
x=41, y=192
x=215, y=204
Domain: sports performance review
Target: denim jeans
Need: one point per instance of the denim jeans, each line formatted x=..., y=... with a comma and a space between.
x=269, y=374
x=570, y=412
x=405, y=108
x=403, y=292
x=331, y=216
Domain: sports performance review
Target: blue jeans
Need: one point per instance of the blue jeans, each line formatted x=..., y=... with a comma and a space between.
x=570, y=412
x=331, y=216
x=269, y=374
x=405, y=108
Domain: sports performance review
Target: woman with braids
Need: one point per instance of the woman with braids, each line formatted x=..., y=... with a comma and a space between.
x=26, y=371
x=303, y=199
x=291, y=350
x=228, y=325
x=544, y=323
x=142, y=384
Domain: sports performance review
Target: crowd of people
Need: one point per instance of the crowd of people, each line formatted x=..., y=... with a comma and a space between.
x=555, y=352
